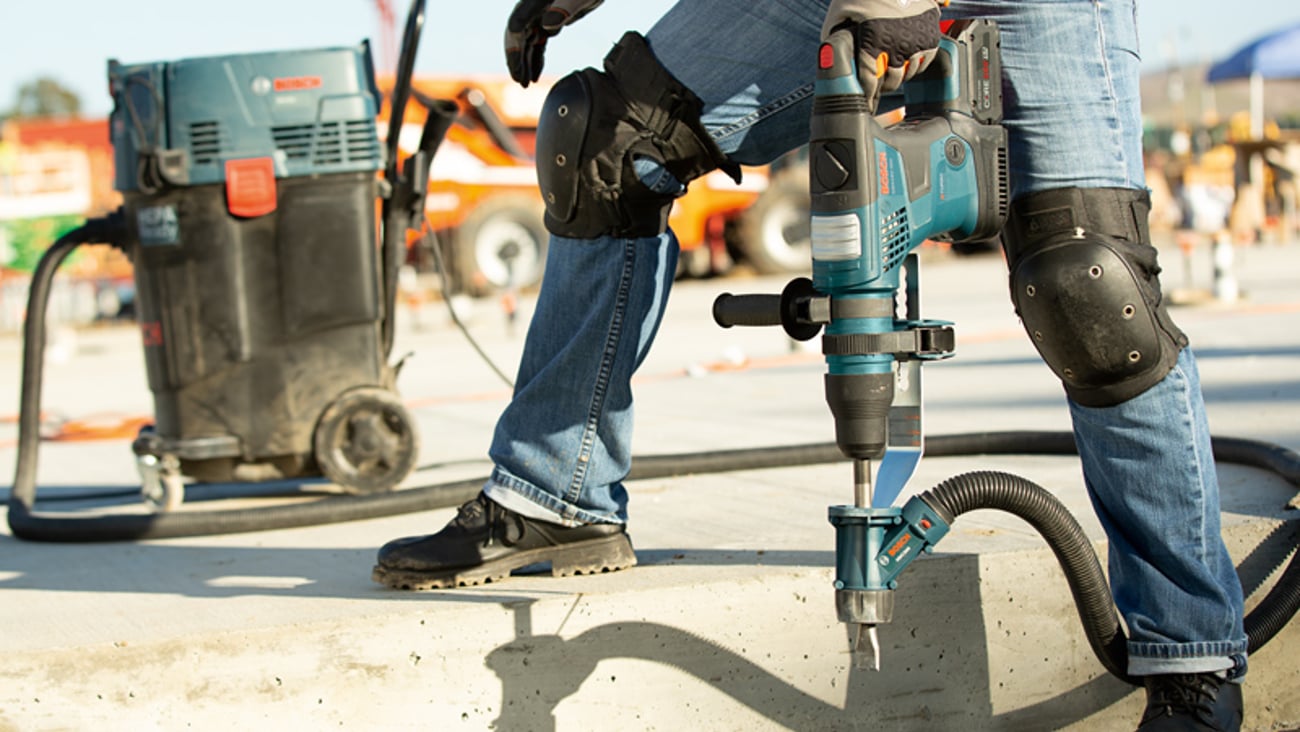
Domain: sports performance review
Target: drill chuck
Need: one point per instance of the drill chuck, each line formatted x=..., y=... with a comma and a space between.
x=860, y=404
x=864, y=607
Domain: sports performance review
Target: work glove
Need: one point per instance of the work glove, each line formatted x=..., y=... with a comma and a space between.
x=531, y=24
x=895, y=39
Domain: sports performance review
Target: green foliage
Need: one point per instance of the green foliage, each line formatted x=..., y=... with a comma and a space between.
x=44, y=97
x=29, y=238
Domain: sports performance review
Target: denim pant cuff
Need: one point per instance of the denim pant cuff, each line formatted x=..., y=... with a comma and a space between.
x=1148, y=659
x=526, y=499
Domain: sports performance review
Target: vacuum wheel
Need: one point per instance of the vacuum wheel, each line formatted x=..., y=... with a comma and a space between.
x=366, y=441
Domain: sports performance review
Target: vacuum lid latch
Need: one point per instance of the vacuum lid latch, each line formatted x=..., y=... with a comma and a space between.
x=250, y=187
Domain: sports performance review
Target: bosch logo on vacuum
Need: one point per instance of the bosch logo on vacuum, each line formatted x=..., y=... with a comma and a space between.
x=297, y=83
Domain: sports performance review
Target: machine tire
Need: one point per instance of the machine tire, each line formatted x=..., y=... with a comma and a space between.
x=366, y=441
x=773, y=235
x=478, y=259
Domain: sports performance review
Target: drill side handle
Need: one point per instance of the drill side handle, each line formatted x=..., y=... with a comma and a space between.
x=747, y=310
x=799, y=309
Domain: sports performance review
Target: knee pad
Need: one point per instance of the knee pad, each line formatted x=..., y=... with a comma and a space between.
x=1084, y=280
x=597, y=127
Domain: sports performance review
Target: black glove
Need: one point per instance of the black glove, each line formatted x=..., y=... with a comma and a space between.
x=531, y=24
x=895, y=39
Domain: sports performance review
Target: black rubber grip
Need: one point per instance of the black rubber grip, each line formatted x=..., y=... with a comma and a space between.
x=729, y=310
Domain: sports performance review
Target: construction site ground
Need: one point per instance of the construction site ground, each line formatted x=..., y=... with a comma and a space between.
x=728, y=621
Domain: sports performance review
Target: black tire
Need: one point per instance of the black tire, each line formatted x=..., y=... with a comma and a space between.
x=365, y=441
x=773, y=235
x=500, y=245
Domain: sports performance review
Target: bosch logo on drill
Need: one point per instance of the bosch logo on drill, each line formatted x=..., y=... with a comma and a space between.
x=882, y=165
x=297, y=83
x=900, y=546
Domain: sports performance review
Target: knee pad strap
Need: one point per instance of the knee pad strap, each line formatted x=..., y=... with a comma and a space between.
x=596, y=124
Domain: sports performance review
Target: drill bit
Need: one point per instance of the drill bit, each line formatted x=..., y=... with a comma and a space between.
x=866, y=646
x=862, y=488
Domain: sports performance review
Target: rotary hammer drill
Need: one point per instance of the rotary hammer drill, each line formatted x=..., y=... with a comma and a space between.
x=877, y=194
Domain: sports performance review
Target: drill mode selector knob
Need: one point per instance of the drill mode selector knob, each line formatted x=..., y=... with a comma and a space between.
x=833, y=164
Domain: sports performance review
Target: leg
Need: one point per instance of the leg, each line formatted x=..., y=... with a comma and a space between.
x=562, y=447
x=1071, y=75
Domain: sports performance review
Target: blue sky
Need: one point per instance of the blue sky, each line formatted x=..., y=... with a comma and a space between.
x=72, y=40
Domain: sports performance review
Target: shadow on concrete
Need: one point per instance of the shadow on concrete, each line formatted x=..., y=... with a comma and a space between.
x=221, y=571
x=938, y=671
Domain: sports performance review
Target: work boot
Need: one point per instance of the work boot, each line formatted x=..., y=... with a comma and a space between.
x=486, y=542
x=1192, y=703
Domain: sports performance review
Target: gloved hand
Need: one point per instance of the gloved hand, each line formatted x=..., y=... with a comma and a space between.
x=895, y=39
x=531, y=24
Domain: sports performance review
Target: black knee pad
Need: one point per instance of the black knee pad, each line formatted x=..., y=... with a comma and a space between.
x=1084, y=280
x=595, y=124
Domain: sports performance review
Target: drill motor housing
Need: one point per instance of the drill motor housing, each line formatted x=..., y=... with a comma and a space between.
x=879, y=192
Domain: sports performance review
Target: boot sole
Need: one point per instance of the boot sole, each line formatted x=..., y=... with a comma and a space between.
x=595, y=556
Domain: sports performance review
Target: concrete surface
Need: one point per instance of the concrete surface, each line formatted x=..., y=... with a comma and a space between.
x=728, y=622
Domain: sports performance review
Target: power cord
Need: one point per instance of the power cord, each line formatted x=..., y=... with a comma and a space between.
x=429, y=239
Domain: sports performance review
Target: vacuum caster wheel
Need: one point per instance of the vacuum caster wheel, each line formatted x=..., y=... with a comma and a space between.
x=161, y=485
x=366, y=441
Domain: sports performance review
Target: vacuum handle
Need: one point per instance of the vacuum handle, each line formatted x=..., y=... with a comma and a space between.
x=753, y=310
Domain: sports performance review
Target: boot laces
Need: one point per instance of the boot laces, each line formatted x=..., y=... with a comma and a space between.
x=1186, y=694
x=497, y=520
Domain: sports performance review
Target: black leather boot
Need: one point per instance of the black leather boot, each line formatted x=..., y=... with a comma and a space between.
x=1192, y=703
x=486, y=542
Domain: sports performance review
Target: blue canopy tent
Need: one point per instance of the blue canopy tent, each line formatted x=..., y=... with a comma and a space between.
x=1273, y=56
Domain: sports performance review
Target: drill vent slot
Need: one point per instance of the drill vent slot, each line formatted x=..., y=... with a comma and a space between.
x=893, y=239
x=205, y=142
x=1004, y=184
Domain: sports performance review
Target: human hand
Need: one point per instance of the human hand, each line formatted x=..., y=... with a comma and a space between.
x=531, y=24
x=895, y=39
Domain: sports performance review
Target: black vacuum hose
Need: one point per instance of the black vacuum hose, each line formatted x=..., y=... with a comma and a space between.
x=22, y=495
x=1073, y=550
x=1265, y=621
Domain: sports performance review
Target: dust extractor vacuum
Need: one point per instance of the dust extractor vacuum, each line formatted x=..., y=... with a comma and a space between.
x=265, y=246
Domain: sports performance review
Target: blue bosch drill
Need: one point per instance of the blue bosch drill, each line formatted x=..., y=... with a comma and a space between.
x=877, y=194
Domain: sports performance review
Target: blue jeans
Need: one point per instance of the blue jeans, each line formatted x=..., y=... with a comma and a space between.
x=563, y=446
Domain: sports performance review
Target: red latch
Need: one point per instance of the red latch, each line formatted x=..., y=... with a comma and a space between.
x=825, y=56
x=250, y=187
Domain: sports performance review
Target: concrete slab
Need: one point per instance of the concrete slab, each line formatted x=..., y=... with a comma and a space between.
x=727, y=623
